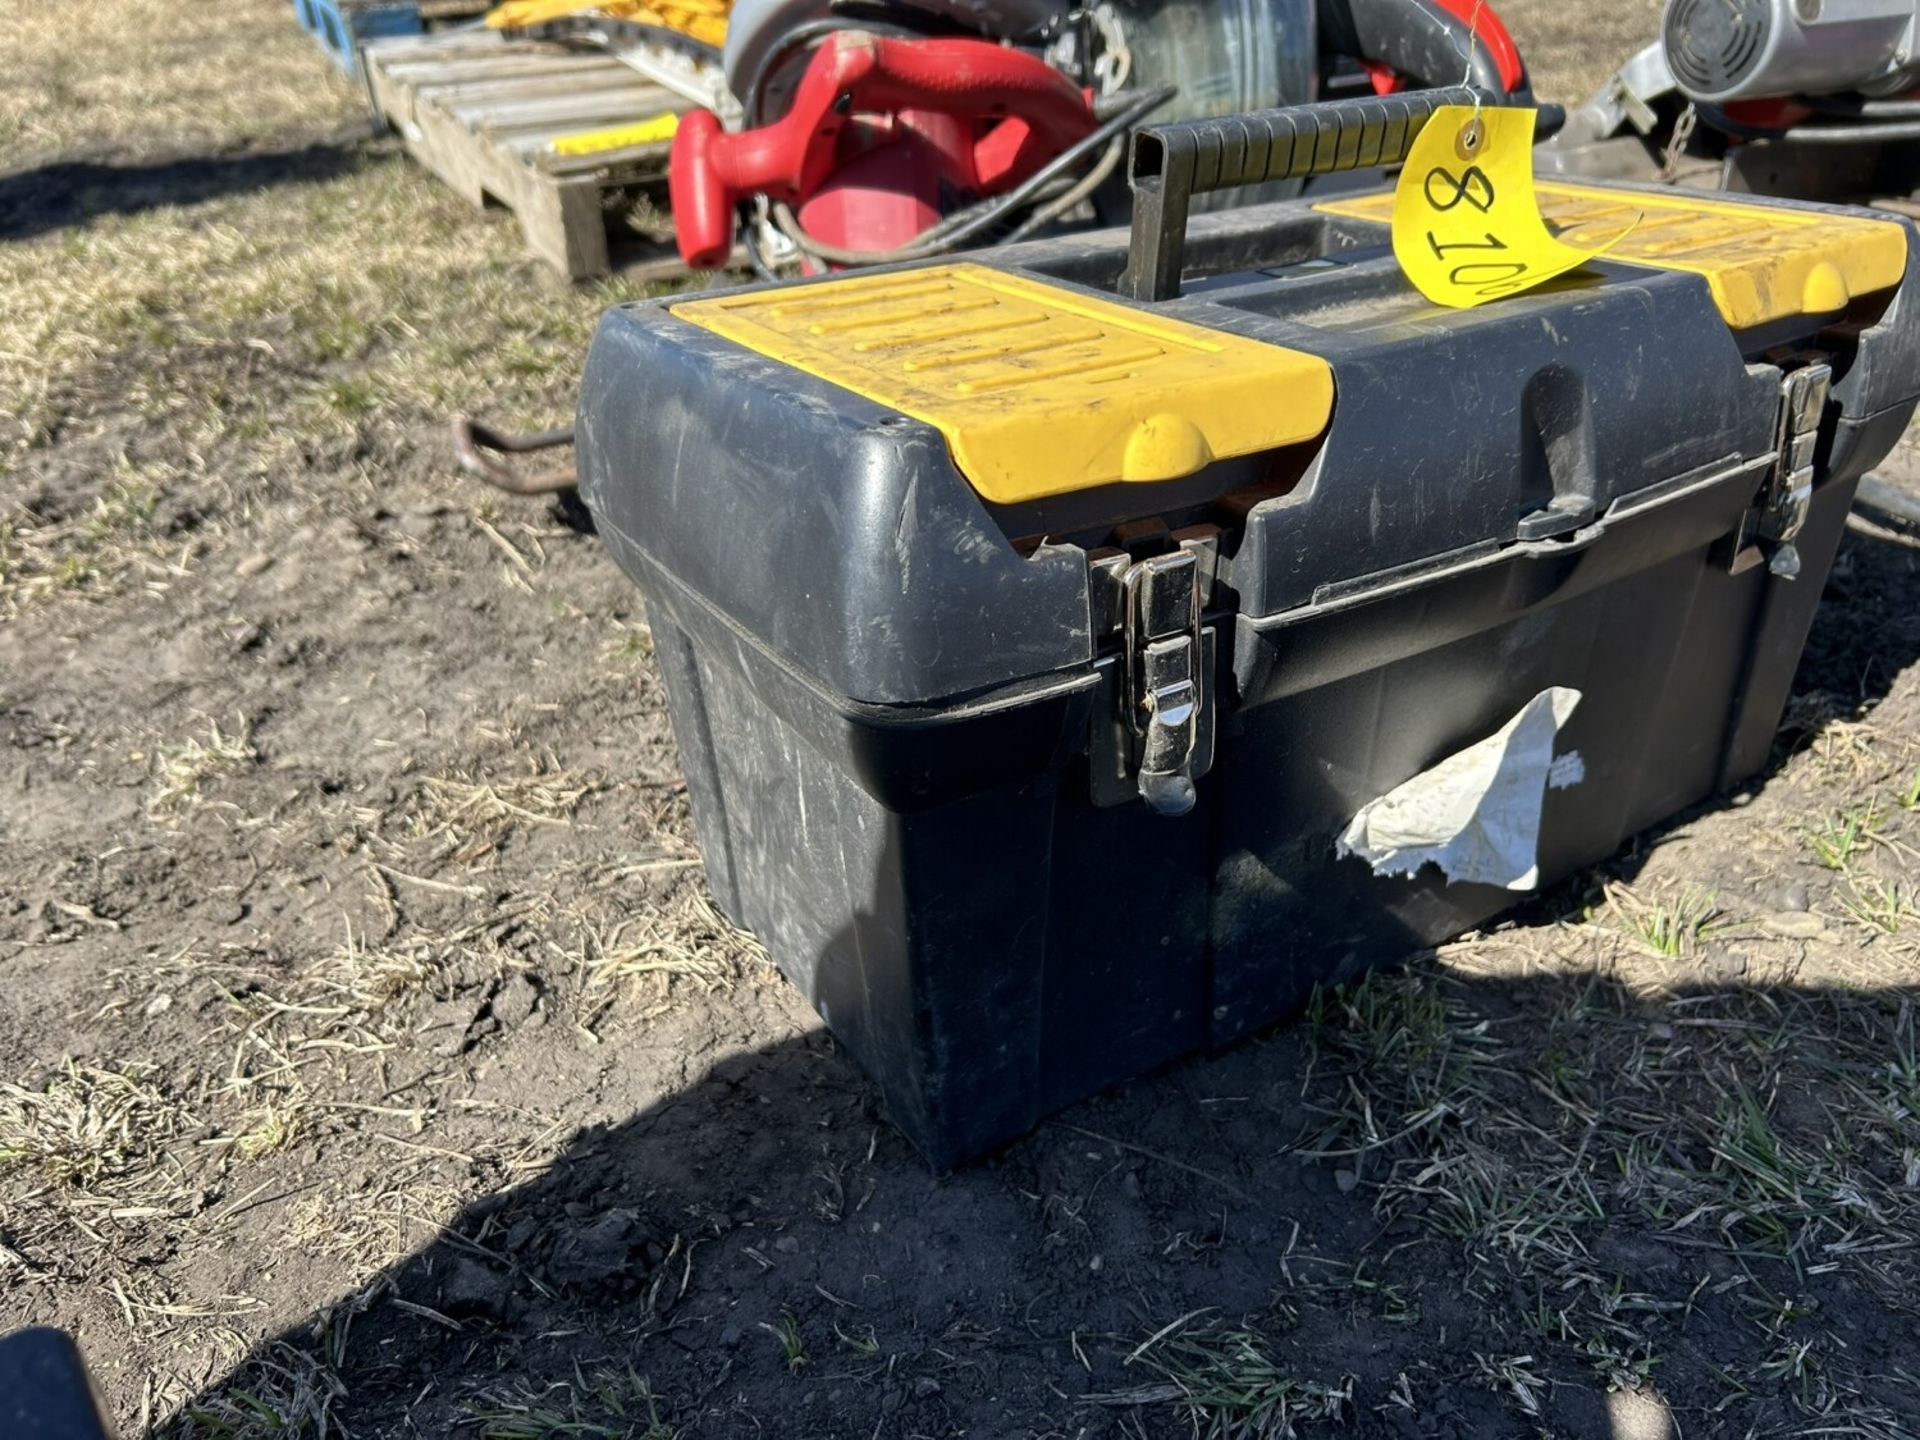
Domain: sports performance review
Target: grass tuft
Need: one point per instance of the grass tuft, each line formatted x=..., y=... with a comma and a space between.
x=283, y=1394
x=786, y=1334
x=1671, y=928
x=1843, y=836
x=1229, y=1384
x=689, y=940
x=90, y=1132
x=609, y=1405
x=180, y=770
x=1910, y=793
x=376, y=978
x=1881, y=905
x=471, y=815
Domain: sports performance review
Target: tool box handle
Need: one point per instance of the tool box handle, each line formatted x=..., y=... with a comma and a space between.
x=1171, y=163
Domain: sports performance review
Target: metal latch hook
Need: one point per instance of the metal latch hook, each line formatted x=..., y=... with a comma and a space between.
x=1164, y=676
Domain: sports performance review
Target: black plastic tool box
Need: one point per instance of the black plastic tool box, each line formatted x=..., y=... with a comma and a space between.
x=1035, y=626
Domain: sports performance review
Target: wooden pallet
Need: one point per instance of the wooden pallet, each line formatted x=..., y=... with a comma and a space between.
x=481, y=110
x=341, y=27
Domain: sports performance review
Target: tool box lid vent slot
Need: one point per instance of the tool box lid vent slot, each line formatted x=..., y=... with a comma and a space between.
x=1038, y=390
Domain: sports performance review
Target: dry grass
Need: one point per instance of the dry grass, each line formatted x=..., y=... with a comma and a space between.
x=375, y=1225
x=373, y=979
x=316, y=307
x=285, y=1394
x=181, y=770
x=56, y=95
x=86, y=1155
x=1571, y=49
x=336, y=303
x=91, y=1134
x=1229, y=1384
x=692, y=939
x=606, y=1405
x=286, y=1047
x=1709, y=1120
x=470, y=814
x=280, y=1027
x=108, y=547
x=647, y=963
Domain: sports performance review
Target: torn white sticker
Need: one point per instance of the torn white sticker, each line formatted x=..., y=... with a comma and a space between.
x=1477, y=813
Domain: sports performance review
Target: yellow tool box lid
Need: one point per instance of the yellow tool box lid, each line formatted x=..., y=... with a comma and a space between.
x=1039, y=390
x=1762, y=262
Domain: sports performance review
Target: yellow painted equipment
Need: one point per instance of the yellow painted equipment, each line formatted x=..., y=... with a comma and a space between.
x=1761, y=262
x=1038, y=390
x=702, y=20
x=654, y=130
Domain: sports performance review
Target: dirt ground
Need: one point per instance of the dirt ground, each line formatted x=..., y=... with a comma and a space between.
x=372, y=1061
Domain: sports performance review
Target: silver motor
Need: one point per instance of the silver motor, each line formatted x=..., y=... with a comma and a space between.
x=1757, y=49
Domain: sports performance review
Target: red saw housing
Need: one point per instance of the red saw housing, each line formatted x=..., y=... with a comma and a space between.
x=883, y=136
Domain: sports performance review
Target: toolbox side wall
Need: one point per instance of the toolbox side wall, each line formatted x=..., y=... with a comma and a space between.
x=987, y=959
x=1779, y=637
x=1683, y=667
x=920, y=938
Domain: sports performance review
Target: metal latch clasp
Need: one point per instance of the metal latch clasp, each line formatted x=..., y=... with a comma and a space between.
x=1789, y=495
x=1154, y=736
x=1164, y=684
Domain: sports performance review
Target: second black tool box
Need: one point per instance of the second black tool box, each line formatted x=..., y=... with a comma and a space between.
x=1079, y=653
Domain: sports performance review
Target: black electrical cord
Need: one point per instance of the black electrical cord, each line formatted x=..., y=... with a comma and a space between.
x=750, y=239
x=873, y=16
x=1081, y=189
x=962, y=226
x=1890, y=505
x=958, y=228
x=770, y=63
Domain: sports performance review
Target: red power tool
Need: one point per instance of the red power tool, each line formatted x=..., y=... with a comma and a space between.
x=881, y=131
x=909, y=127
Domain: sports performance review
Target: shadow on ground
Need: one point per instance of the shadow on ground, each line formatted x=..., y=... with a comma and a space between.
x=62, y=194
x=1545, y=1198
x=1471, y=1279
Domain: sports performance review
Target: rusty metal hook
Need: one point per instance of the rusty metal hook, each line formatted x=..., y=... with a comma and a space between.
x=476, y=445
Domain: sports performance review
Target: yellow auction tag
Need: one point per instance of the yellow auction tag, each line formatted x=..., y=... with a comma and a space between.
x=1466, y=221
